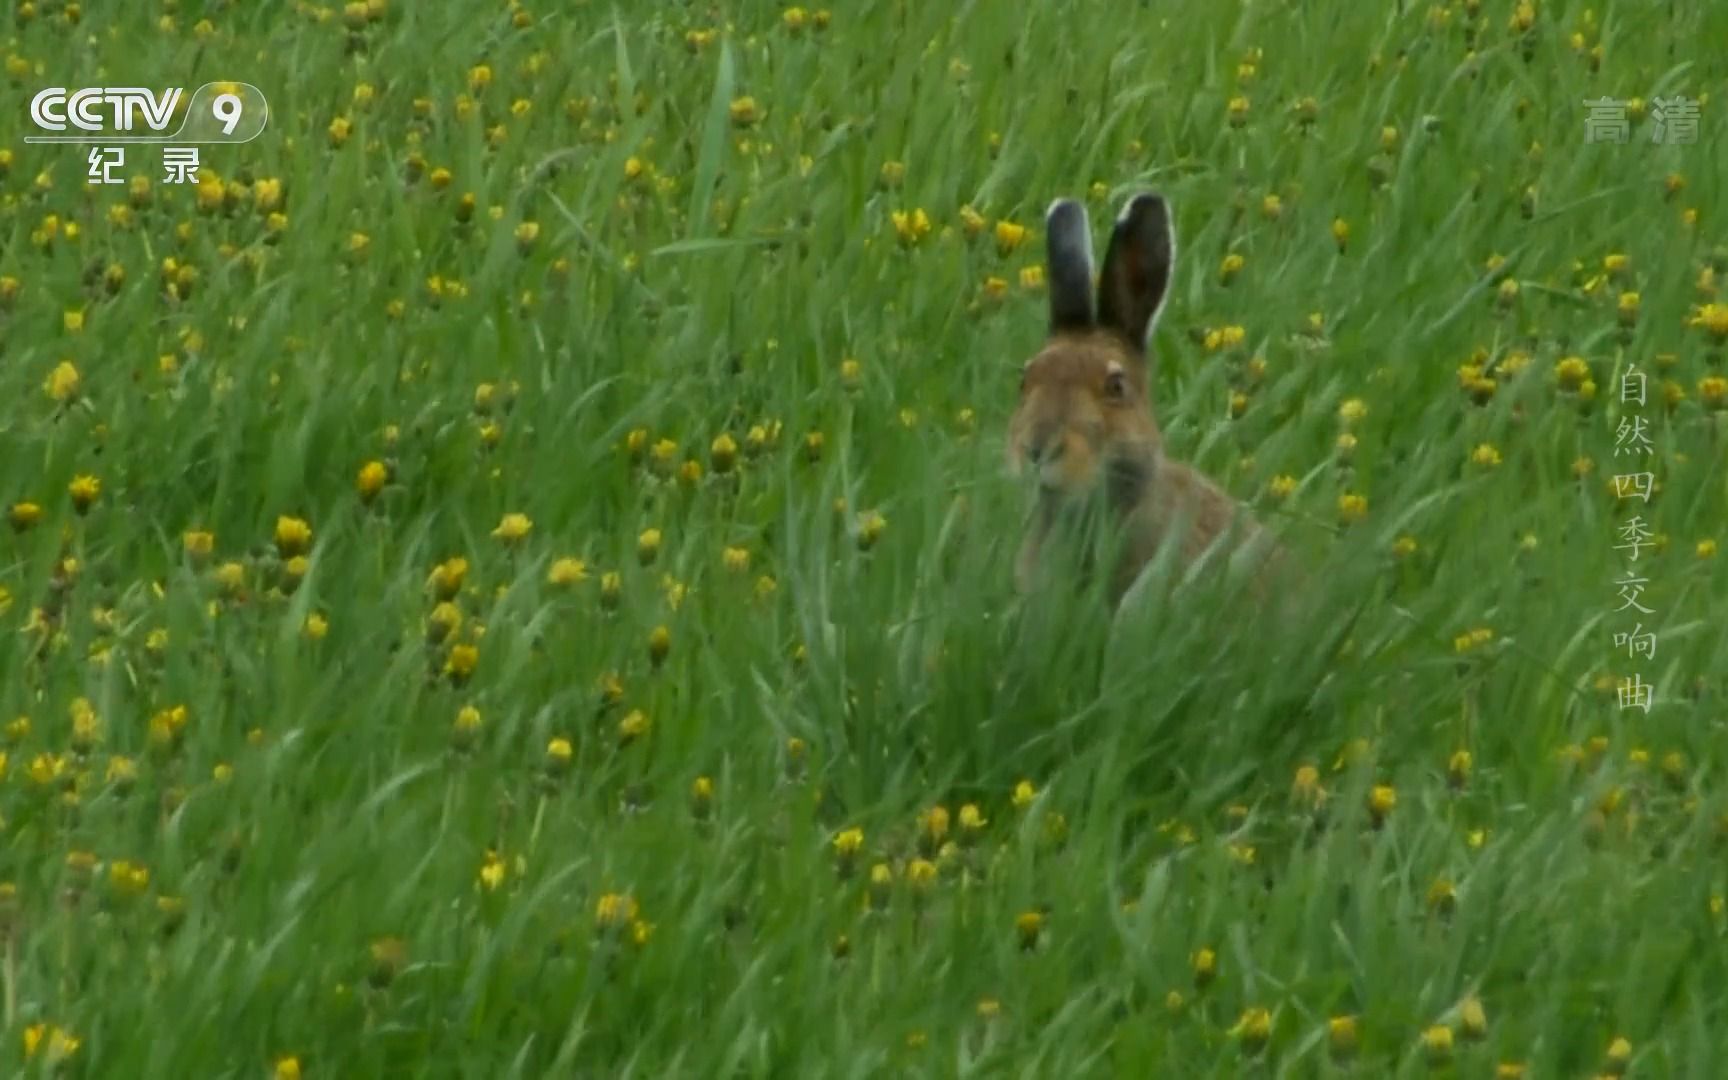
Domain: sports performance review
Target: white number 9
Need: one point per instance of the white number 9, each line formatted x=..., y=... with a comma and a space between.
x=227, y=109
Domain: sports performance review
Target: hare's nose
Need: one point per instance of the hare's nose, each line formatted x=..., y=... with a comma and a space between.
x=1046, y=448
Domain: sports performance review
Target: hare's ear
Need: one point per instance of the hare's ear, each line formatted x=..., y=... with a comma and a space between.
x=1137, y=267
x=1068, y=250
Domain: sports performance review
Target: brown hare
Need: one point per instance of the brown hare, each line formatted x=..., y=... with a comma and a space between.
x=1085, y=422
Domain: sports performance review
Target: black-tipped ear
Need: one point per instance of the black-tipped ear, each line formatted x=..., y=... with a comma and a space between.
x=1068, y=247
x=1137, y=268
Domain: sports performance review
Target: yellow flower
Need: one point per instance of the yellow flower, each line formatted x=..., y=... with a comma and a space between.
x=465, y=727
x=339, y=130
x=1253, y=1028
x=722, y=453
x=198, y=543
x=1352, y=410
x=870, y=527
x=492, y=871
x=736, y=559
x=559, y=751
x=893, y=174
x=84, y=491
x=1341, y=1037
x=566, y=572
x=317, y=626
x=461, y=662
x=128, y=878
x=647, y=546
x=1231, y=265
x=1437, y=1041
x=848, y=842
x=371, y=480
x=1485, y=455
x=479, y=78
x=910, y=226
x=1473, y=1019
x=1306, y=790
x=614, y=910
x=1713, y=318
x=56, y=1044
x=933, y=824
x=1032, y=277
x=1205, y=964
x=701, y=795
x=24, y=515
x=921, y=873
x=1029, y=925
x=293, y=536
x=634, y=725
x=1009, y=236
x=1024, y=793
x=1458, y=768
x=1442, y=896
x=743, y=111
x=513, y=527
x=1352, y=507
x=1382, y=799
x=1237, y=110
x=447, y=577
x=971, y=221
x=63, y=382
x=611, y=589
x=1619, y=1056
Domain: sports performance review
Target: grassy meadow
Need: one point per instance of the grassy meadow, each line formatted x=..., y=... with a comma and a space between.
x=511, y=575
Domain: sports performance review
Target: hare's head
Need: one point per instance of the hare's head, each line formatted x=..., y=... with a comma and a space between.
x=1084, y=411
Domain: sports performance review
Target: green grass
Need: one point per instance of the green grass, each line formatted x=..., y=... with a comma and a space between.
x=316, y=806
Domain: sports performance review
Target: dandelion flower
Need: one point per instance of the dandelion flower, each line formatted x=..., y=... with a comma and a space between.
x=23, y=516
x=1341, y=1037
x=63, y=382
x=84, y=491
x=743, y=112
x=371, y=480
x=1029, y=926
x=512, y=528
x=1382, y=798
x=722, y=453
x=293, y=536
x=1205, y=965
x=1253, y=1029
x=1473, y=1019
x=1437, y=1042
x=567, y=572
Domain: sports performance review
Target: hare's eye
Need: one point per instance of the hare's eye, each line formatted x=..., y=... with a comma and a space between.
x=1116, y=386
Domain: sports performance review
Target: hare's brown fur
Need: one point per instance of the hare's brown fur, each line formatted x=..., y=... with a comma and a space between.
x=1085, y=422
